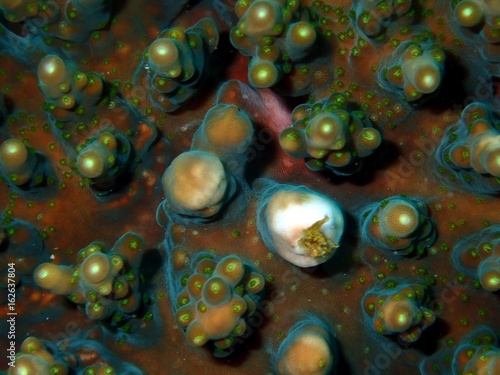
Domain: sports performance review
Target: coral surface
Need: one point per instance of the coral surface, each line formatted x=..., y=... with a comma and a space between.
x=249, y=187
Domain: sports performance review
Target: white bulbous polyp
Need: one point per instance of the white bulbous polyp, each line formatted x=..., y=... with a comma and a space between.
x=292, y=214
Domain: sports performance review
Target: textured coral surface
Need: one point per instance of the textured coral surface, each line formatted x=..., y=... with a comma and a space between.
x=92, y=172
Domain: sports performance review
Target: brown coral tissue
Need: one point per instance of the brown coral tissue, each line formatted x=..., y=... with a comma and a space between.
x=272, y=187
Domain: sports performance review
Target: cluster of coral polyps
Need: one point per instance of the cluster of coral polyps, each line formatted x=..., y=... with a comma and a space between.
x=71, y=95
x=175, y=65
x=25, y=169
x=34, y=358
x=280, y=36
x=106, y=284
x=398, y=225
x=398, y=308
x=330, y=136
x=469, y=154
x=479, y=20
x=217, y=300
x=103, y=160
x=477, y=353
x=71, y=21
x=306, y=241
x=479, y=257
x=18, y=164
x=21, y=245
x=79, y=357
x=199, y=182
x=17, y=11
x=415, y=70
x=374, y=16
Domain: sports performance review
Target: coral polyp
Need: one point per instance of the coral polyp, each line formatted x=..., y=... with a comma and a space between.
x=306, y=187
x=310, y=348
x=17, y=11
x=226, y=132
x=176, y=63
x=398, y=225
x=105, y=284
x=200, y=182
x=374, y=18
x=72, y=21
x=217, y=300
x=104, y=160
x=415, y=70
x=477, y=353
x=479, y=257
x=469, y=154
x=478, y=21
x=82, y=357
x=35, y=358
x=282, y=39
x=395, y=308
x=330, y=136
x=203, y=176
x=302, y=226
x=71, y=95
x=17, y=162
x=25, y=169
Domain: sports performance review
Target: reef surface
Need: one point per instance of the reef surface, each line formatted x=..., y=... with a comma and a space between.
x=251, y=187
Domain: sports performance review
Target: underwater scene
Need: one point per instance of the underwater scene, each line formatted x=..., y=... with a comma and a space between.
x=261, y=187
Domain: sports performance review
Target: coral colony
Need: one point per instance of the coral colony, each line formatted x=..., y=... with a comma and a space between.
x=289, y=187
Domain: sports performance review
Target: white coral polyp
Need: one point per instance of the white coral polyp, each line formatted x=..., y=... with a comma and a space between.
x=305, y=228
